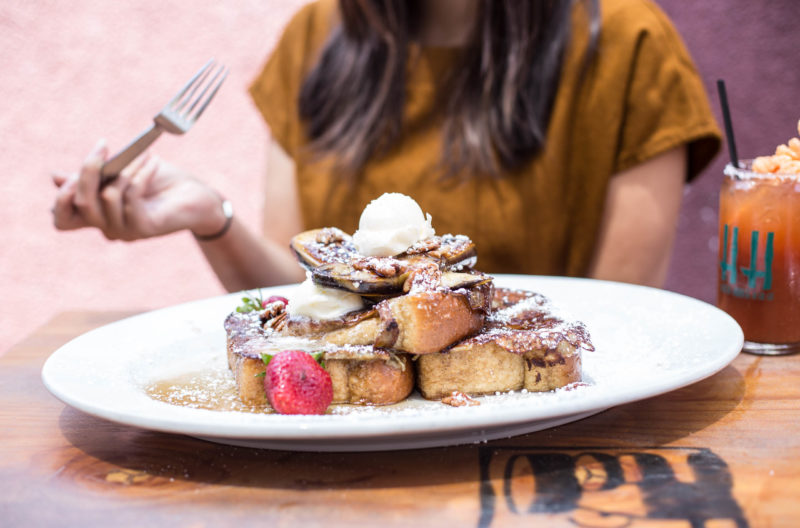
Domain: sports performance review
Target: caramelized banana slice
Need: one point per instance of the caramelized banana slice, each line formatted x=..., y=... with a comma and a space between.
x=450, y=250
x=361, y=281
x=455, y=280
x=323, y=246
x=334, y=261
x=330, y=244
x=370, y=284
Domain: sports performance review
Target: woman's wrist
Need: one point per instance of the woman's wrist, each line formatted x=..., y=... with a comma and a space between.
x=214, y=218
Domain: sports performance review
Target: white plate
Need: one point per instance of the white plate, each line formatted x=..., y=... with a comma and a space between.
x=648, y=342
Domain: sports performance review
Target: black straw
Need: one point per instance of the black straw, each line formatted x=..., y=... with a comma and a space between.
x=726, y=116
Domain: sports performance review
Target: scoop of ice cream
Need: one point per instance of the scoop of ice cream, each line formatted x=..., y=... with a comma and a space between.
x=391, y=224
x=320, y=303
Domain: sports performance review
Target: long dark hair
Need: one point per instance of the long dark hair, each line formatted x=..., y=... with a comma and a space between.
x=498, y=100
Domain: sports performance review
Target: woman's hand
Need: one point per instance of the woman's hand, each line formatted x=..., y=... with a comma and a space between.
x=149, y=198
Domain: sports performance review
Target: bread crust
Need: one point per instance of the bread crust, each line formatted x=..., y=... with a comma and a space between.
x=428, y=321
x=523, y=345
x=419, y=322
x=489, y=368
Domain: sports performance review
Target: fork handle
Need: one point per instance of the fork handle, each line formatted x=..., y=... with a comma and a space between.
x=114, y=166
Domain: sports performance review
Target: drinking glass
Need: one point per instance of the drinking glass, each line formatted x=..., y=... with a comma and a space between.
x=759, y=257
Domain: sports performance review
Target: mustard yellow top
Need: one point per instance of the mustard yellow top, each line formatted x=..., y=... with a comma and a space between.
x=641, y=97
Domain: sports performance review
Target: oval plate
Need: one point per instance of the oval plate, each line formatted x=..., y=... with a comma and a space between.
x=648, y=342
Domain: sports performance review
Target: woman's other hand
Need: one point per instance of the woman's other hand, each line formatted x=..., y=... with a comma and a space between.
x=149, y=198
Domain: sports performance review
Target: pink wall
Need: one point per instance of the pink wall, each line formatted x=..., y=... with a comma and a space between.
x=76, y=71
x=73, y=72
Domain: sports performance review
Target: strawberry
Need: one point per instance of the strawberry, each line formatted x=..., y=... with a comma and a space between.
x=296, y=384
x=274, y=298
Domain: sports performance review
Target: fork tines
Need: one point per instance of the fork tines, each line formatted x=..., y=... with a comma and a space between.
x=217, y=74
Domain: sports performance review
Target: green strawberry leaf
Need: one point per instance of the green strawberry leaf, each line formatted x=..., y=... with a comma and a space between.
x=251, y=303
x=318, y=358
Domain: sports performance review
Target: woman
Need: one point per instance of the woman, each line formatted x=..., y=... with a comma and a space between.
x=557, y=135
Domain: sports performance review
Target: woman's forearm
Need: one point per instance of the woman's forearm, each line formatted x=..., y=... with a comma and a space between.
x=242, y=260
x=639, y=224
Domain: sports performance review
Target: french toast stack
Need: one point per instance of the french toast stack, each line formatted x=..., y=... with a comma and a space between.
x=429, y=321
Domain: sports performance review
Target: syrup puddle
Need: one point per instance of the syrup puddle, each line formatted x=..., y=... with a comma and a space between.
x=213, y=390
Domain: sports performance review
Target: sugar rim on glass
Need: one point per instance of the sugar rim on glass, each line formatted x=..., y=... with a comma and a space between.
x=745, y=173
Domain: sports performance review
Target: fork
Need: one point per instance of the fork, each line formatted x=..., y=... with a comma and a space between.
x=177, y=117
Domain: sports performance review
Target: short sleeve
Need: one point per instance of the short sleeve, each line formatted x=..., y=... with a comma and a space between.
x=666, y=104
x=276, y=89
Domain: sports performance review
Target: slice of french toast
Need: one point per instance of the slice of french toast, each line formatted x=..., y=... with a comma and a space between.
x=523, y=345
x=362, y=374
x=422, y=321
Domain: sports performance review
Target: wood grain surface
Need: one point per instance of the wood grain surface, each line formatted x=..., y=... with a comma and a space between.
x=723, y=452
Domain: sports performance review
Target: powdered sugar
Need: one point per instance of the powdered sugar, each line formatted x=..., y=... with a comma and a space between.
x=525, y=322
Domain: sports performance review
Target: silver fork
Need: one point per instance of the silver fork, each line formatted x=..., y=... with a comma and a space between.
x=177, y=117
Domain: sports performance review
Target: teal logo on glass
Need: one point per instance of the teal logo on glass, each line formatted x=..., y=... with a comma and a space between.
x=729, y=272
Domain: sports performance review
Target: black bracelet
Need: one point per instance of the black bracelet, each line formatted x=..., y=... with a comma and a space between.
x=227, y=210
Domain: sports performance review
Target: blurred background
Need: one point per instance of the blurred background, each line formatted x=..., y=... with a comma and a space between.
x=77, y=71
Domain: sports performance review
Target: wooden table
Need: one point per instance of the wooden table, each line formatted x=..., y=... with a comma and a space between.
x=723, y=452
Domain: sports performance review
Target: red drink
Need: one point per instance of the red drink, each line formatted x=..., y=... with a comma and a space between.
x=759, y=248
